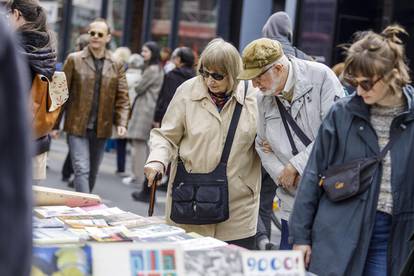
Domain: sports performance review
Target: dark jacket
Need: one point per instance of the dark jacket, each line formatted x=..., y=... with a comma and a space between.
x=172, y=80
x=41, y=58
x=340, y=233
x=279, y=27
x=113, y=107
x=15, y=158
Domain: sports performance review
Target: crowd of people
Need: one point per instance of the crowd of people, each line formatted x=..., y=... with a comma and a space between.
x=228, y=133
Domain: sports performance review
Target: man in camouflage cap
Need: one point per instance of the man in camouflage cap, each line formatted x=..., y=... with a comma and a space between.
x=304, y=90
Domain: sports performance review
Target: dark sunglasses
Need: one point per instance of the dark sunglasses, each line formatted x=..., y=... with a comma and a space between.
x=205, y=74
x=365, y=84
x=96, y=34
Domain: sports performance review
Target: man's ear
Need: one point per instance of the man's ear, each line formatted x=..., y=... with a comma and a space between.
x=278, y=67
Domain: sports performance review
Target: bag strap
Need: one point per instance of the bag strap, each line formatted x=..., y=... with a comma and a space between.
x=287, y=120
x=233, y=126
x=391, y=142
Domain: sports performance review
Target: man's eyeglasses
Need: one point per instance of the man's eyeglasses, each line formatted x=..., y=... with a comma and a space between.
x=96, y=34
x=365, y=84
x=262, y=73
x=216, y=76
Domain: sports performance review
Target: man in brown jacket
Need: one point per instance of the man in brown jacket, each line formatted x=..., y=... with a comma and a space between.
x=98, y=99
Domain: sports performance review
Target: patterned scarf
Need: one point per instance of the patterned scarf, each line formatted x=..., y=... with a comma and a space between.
x=219, y=99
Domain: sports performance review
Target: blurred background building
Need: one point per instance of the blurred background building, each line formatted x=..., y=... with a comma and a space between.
x=319, y=25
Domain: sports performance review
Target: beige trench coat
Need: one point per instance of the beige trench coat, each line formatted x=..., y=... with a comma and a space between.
x=193, y=125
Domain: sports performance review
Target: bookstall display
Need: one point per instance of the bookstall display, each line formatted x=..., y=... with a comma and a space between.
x=75, y=234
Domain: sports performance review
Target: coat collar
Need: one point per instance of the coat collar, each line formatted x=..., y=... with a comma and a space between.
x=88, y=58
x=200, y=91
x=302, y=86
x=357, y=106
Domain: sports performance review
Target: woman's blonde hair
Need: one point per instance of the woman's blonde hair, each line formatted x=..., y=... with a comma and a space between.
x=381, y=55
x=222, y=56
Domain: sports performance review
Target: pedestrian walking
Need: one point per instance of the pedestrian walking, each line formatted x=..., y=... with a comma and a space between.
x=278, y=27
x=146, y=95
x=67, y=169
x=295, y=95
x=208, y=136
x=29, y=21
x=353, y=213
x=98, y=100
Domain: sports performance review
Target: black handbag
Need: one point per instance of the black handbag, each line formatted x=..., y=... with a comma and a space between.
x=203, y=198
x=344, y=181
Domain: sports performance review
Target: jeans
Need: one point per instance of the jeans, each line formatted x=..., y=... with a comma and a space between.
x=86, y=153
x=376, y=262
x=284, y=239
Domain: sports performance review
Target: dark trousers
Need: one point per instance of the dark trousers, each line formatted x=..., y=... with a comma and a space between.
x=121, y=154
x=248, y=243
x=267, y=194
x=67, y=169
x=376, y=262
x=284, y=240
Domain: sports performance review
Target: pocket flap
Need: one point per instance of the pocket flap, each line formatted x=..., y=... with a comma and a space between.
x=208, y=194
x=183, y=192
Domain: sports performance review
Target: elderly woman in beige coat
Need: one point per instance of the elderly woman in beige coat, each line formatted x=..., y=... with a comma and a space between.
x=194, y=130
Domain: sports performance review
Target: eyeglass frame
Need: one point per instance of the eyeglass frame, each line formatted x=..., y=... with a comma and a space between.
x=96, y=34
x=366, y=87
x=216, y=76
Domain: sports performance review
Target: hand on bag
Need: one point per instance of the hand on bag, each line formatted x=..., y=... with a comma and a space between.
x=55, y=134
x=266, y=147
x=121, y=131
x=307, y=252
x=287, y=176
x=151, y=170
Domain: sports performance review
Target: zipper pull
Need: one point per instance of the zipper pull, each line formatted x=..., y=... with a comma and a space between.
x=321, y=181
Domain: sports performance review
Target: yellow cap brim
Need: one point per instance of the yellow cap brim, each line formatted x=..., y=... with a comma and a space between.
x=248, y=74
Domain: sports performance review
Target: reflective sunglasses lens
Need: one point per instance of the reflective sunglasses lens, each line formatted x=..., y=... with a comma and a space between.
x=217, y=76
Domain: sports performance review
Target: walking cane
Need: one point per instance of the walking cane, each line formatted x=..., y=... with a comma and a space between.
x=157, y=177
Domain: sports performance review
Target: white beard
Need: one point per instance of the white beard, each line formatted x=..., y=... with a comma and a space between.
x=272, y=91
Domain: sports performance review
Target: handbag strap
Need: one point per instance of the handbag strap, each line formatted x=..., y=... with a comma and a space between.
x=233, y=126
x=287, y=120
x=391, y=142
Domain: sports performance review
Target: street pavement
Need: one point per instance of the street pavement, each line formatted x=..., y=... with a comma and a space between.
x=108, y=185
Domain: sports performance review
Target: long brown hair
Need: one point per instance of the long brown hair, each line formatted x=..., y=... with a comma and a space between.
x=380, y=55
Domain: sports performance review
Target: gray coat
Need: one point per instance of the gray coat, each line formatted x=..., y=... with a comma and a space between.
x=340, y=233
x=147, y=92
x=315, y=89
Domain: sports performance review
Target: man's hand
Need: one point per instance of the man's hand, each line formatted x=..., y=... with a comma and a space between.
x=287, y=177
x=266, y=147
x=55, y=134
x=121, y=131
x=307, y=252
x=151, y=169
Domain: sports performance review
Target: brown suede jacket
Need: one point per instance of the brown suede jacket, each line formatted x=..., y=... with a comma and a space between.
x=114, y=106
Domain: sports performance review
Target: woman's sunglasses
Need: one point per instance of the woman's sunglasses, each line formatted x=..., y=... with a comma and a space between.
x=216, y=76
x=365, y=84
x=96, y=34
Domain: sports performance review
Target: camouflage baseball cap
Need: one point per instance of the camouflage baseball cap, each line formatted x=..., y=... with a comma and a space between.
x=257, y=55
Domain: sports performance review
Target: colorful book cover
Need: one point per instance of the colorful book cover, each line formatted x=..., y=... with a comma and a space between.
x=64, y=260
x=137, y=259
